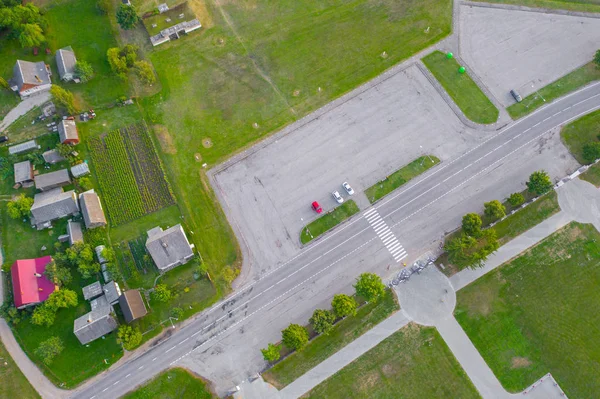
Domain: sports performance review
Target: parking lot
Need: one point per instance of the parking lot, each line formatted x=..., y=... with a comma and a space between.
x=523, y=50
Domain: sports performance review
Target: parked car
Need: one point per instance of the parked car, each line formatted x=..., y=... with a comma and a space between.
x=516, y=96
x=347, y=187
x=3, y=139
x=317, y=207
x=337, y=197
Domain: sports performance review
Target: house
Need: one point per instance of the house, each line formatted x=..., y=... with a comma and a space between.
x=80, y=169
x=132, y=305
x=23, y=147
x=23, y=172
x=96, y=323
x=91, y=208
x=51, y=180
x=52, y=156
x=92, y=291
x=30, y=78
x=65, y=61
x=169, y=248
x=52, y=205
x=74, y=232
x=30, y=285
x=112, y=292
x=67, y=131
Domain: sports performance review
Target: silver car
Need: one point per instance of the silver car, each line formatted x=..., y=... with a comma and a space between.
x=347, y=187
x=337, y=197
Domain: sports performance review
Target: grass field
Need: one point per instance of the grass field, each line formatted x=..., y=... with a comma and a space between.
x=537, y=314
x=323, y=346
x=414, y=362
x=565, y=85
x=328, y=221
x=592, y=175
x=400, y=177
x=461, y=88
x=8, y=100
x=175, y=383
x=14, y=384
x=580, y=132
x=571, y=5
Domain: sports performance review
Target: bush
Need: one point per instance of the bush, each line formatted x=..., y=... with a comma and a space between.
x=19, y=207
x=129, y=337
x=471, y=224
x=295, y=337
x=144, y=71
x=494, y=210
x=322, y=321
x=468, y=251
x=161, y=293
x=84, y=71
x=539, y=182
x=343, y=305
x=49, y=349
x=271, y=353
x=127, y=16
x=591, y=152
x=176, y=313
x=516, y=199
x=63, y=98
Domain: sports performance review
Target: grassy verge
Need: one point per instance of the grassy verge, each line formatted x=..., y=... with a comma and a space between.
x=565, y=85
x=400, y=177
x=323, y=346
x=536, y=314
x=580, y=132
x=571, y=5
x=461, y=88
x=14, y=383
x=414, y=362
x=592, y=175
x=328, y=221
x=175, y=383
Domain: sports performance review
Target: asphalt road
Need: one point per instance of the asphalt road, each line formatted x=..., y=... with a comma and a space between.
x=356, y=236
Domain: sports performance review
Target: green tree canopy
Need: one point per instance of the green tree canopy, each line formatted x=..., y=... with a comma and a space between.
x=370, y=287
x=322, y=321
x=591, y=152
x=539, y=182
x=343, y=305
x=57, y=273
x=295, y=337
x=471, y=224
x=516, y=199
x=127, y=16
x=19, y=207
x=63, y=298
x=494, y=210
x=468, y=251
x=43, y=315
x=49, y=349
x=144, y=71
x=63, y=98
x=84, y=70
x=161, y=293
x=24, y=23
x=271, y=353
x=129, y=337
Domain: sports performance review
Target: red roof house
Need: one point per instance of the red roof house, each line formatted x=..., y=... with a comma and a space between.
x=30, y=285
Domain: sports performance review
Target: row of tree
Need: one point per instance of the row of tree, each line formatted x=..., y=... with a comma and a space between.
x=368, y=286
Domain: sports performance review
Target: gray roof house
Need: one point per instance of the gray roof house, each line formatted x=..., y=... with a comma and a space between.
x=67, y=131
x=96, y=323
x=52, y=205
x=30, y=78
x=23, y=172
x=91, y=208
x=51, y=180
x=169, y=248
x=23, y=147
x=52, y=156
x=65, y=61
x=74, y=232
x=112, y=292
x=92, y=291
x=132, y=305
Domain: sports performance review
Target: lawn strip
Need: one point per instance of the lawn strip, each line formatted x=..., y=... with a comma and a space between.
x=592, y=175
x=570, y=5
x=581, y=132
x=14, y=383
x=176, y=383
x=328, y=221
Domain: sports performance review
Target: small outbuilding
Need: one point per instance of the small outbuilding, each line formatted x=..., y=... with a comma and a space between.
x=74, y=232
x=132, y=305
x=67, y=131
x=51, y=180
x=80, y=169
x=23, y=172
x=23, y=147
x=96, y=323
x=92, y=291
x=53, y=156
x=65, y=62
x=30, y=284
x=169, y=248
x=91, y=209
x=112, y=292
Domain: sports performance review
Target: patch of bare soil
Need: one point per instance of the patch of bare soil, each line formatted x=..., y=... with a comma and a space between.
x=165, y=139
x=519, y=362
x=207, y=142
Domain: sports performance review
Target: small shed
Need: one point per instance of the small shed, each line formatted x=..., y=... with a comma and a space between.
x=79, y=170
x=91, y=209
x=74, y=232
x=112, y=292
x=23, y=172
x=67, y=131
x=65, y=62
x=99, y=249
x=132, y=305
x=51, y=180
x=52, y=156
x=23, y=147
x=92, y=291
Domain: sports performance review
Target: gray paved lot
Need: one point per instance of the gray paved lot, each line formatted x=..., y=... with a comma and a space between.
x=514, y=49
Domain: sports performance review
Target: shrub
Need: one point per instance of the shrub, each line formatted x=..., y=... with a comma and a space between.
x=271, y=353
x=322, y=321
x=539, y=182
x=295, y=337
x=49, y=349
x=129, y=337
x=494, y=210
x=471, y=224
x=343, y=305
x=161, y=293
x=591, y=152
x=516, y=199
x=370, y=287
x=127, y=16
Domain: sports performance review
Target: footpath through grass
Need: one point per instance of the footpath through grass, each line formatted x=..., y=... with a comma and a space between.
x=461, y=88
x=565, y=85
x=539, y=314
x=175, y=383
x=323, y=346
x=414, y=362
x=328, y=221
x=571, y=5
x=581, y=132
x=400, y=177
x=14, y=383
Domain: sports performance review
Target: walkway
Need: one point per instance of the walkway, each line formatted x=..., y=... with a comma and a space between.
x=22, y=108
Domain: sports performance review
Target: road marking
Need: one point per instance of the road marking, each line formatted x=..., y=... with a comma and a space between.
x=127, y=376
x=93, y=397
x=546, y=119
x=525, y=131
x=116, y=383
x=556, y=113
x=184, y=340
x=383, y=232
x=141, y=367
x=105, y=389
x=370, y=211
x=154, y=359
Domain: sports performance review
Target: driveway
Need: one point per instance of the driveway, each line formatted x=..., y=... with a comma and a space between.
x=22, y=108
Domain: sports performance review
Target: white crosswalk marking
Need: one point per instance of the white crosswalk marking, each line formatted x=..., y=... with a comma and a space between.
x=385, y=234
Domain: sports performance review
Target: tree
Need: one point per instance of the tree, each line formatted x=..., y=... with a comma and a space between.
x=295, y=337
x=539, y=182
x=43, y=315
x=597, y=58
x=85, y=183
x=471, y=224
x=23, y=22
x=161, y=293
x=63, y=298
x=322, y=321
x=494, y=210
x=177, y=313
x=49, y=349
x=9, y=313
x=516, y=199
x=370, y=287
x=144, y=71
x=127, y=16
x=81, y=256
x=468, y=251
x=19, y=207
x=117, y=63
x=4, y=84
x=63, y=98
x=271, y=353
x=58, y=274
x=84, y=70
x=343, y=305
x=129, y=337
x=591, y=152
x=31, y=35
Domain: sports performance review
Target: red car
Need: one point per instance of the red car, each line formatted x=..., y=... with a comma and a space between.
x=317, y=207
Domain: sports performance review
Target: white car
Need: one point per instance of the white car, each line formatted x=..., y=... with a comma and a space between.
x=347, y=187
x=337, y=197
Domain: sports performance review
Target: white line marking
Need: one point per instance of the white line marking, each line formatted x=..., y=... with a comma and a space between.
x=397, y=250
x=154, y=359
x=127, y=376
x=141, y=367
x=385, y=235
x=393, y=247
x=370, y=211
x=116, y=383
x=105, y=389
x=380, y=228
x=184, y=340
x=404, y=256
x=170, y=349
x=546, y=119
x=379, y=223
x=390, y=239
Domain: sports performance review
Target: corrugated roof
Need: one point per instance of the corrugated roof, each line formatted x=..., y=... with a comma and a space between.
x=23, y=172
x=75, y=232
x=91, y=291
x=132, y=305
x=52, y=179
x=22, y=147
x=168, y=247
x=67, y=130
x=91, y=209
x=65, y=61
x=28, y=288
x=53, y=204
x=80, y=169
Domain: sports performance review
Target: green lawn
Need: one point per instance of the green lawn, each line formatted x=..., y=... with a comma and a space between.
x=323, y=346
x=414, y=362
x=400, y=177
x=580, y=132
x=8, y=100
x=461, y=88
x=565, y=85
x=538, y=314
x=571, y=5
x=175, y=383
x=14, y=384
x=592, y=175
x=328, y=221
x=23, y=129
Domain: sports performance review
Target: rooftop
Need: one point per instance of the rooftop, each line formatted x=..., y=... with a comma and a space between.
x=22, y=147
x=92, y=291
x=168, y=247
x=91, y=208
x=52, y=179
x=67, y=130
x=30, y=285
x=23, y=172
x=53, y=156
x=28, y=74
x=74, y=231
x=80, y=169
x=173, y=14
x=65, y=61
x=132, y=305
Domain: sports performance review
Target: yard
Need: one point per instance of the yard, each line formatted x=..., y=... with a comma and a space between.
x=328, y=221
x=580, y=132
x=414, y=362
x=571, y=5
x=14, y=383
x=461, y=88
x=175, y=383
x=537, y=314
x=323, y=346
x=400, y=177
x=565, y=85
